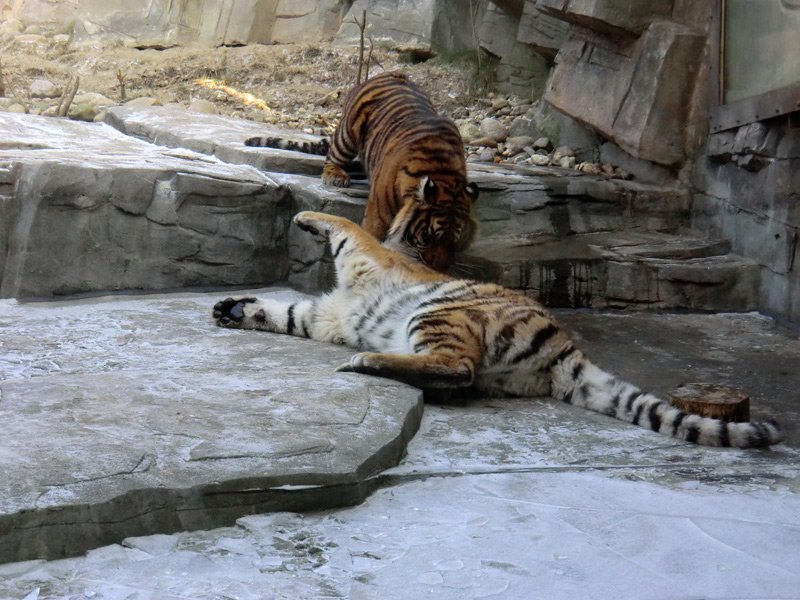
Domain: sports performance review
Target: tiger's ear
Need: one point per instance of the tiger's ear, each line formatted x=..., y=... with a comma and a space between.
x=472, y=192
x=427, y=190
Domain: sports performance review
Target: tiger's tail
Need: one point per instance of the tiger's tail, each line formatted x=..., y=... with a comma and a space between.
x=319, y=147
x=577, y=381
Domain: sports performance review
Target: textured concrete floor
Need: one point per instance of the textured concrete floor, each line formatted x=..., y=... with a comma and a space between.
x=495, y=498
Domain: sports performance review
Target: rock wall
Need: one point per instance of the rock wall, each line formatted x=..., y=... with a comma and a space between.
x=747, y=185
x=428, y=25
x=649, y=61
x=642, y=63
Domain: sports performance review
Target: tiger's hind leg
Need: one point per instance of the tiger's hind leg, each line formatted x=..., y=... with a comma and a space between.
x=342, y=151
x=334, y=176
x=343, y=235
x=427, y=371
x=356, y=254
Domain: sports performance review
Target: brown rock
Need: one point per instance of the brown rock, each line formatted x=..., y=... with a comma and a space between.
x=484, y=142
x=562, y=152
x=32, y=39
x=590, y=168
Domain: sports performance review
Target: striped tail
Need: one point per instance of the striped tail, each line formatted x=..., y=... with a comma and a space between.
x=579, y=382
x=320, y=147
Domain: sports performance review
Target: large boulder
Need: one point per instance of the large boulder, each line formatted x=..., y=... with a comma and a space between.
x=609, y=16
x=542, y=31
x=646, y=87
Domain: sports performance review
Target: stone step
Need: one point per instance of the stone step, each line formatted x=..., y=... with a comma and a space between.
x=516, y=198
x=524, y=200
x=628, y=269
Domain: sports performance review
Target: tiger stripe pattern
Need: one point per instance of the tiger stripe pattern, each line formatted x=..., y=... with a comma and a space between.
x=421, y=327
x=319, y=147
x=417, y=170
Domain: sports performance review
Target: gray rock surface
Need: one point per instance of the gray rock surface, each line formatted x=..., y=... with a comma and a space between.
x=132, y=416
x=544, y=32
x=641, y=170
x=200, y=221
x=222, y=137
x=619, y=270
x=761, y=219
x=87, y=208
x=520, y=70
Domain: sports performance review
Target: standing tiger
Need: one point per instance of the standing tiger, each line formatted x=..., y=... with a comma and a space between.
x=421, y=327
x=415, y=162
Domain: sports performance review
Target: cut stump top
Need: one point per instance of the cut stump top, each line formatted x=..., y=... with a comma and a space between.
x=712, y=400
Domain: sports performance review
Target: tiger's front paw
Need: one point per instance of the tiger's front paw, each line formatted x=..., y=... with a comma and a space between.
x=230, y=312
x=334, y=176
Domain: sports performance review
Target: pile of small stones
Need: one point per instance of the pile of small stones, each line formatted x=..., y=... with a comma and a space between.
x=505, y=132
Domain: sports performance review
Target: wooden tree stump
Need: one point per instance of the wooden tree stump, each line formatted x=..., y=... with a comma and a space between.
x=712, y=400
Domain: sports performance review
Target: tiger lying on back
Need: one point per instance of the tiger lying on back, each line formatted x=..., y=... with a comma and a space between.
x=416, y=167
x=432, y=331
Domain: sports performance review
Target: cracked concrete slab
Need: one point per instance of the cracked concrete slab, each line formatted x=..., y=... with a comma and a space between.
x=136, y=415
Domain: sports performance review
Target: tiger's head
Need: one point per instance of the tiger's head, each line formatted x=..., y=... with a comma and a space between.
x=434, y=223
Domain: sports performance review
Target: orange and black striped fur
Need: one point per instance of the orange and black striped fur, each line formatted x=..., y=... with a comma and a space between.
x=424, y=328
x=415, y=162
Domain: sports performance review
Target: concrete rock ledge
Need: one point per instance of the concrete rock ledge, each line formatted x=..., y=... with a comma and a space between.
x=86, y=208
x=134, y=416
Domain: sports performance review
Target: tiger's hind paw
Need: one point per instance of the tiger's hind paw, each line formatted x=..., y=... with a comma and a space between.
x=360, y=363
x=307, y=222
x=334, y=176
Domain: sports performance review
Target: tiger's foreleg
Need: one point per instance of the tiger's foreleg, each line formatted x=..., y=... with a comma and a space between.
x=293, y=318
x=426, y=371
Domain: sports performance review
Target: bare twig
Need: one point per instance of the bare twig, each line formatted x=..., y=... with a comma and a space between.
x=473, y=11
x=361, y=26
x=2, y=80
x=122, y=77
x=369, y=57
x=68, y=96
x=17, y=95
